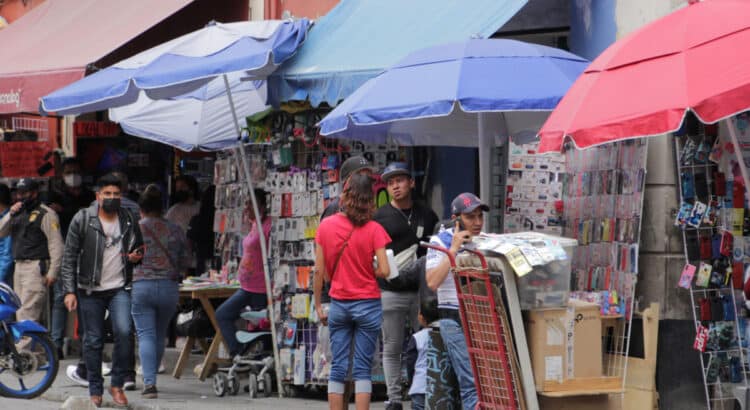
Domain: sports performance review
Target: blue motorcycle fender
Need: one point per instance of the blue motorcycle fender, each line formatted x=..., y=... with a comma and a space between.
x=6, y=312
x=19, y=329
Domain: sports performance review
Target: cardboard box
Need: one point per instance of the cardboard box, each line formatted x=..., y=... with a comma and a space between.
x=565, y=343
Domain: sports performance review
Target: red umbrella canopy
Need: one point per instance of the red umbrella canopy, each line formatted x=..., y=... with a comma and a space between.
x=693, y=59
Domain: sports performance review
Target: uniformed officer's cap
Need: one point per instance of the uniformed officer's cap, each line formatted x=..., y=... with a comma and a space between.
x=27, y=184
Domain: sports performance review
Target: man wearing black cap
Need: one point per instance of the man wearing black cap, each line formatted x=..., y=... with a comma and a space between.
x=468, y=217
x=407, y=222
x=37, y=248
x=356, y=164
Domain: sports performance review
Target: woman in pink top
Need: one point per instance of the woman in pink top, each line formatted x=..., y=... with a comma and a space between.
x=252, y=290
x=347, y=243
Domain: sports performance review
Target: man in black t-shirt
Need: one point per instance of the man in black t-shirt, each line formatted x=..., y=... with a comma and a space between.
x=407, y=222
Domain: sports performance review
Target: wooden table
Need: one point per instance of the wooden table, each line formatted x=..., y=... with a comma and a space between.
x=204, y=295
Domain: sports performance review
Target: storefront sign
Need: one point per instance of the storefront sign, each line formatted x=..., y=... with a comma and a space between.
x=96, y=129
x=11, y=97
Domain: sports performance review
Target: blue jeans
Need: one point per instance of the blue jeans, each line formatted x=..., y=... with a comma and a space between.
x=59, y=315
x=458, y=353
x=93, y=307
x=359, y=320
x=154, y=304
x=417, y=401
x=229, y=311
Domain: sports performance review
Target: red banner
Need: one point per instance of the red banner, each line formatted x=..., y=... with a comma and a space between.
x=22, y=158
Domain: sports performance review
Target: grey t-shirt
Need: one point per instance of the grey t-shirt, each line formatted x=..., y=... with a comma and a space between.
x=112, y=265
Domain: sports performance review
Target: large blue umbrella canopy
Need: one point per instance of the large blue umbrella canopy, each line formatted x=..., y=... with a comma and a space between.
x=200, y=120
x=431, y=96
x=182, y=65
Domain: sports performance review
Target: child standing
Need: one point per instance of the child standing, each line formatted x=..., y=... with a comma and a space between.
x=416, y=352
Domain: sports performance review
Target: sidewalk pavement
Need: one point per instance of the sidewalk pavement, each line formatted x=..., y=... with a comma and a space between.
x=186, y=393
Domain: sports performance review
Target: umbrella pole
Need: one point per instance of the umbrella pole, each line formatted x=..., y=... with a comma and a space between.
x=738, y=154
x=263, y=250
x=485, y=163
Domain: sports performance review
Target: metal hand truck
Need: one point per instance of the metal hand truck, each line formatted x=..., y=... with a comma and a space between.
x=488, y=337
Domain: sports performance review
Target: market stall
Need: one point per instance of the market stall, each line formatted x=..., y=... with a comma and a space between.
x=679, y=75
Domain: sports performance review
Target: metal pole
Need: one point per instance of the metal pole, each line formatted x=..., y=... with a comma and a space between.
x=485, y=143
x=263, y=251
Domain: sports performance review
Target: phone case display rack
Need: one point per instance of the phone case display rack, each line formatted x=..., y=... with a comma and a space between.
x=602, y=192
x=534, y=190
x=711, y=217
x=300, y=178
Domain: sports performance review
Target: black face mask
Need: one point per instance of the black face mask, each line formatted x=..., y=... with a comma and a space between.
x=111, y=205
x=181, y=196
x=27, y=203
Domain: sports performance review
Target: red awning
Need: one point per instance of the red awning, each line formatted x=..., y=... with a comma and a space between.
x=51, y=46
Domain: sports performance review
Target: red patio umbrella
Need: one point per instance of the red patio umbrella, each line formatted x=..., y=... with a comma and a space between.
x=694, y=59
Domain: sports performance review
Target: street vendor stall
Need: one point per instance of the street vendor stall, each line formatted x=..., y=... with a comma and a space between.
x=652, y=82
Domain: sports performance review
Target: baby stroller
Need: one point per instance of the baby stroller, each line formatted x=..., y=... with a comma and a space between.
x=256, y=361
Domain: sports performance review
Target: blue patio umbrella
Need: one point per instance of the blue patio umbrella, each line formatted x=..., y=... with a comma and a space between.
x=199, y=120
x=183, y=65
x=472, y=94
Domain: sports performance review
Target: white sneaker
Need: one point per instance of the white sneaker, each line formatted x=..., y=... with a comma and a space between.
x=106, y=370
x=72, y=374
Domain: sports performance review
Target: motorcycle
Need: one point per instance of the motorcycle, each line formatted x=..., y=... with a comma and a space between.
x=28, y=358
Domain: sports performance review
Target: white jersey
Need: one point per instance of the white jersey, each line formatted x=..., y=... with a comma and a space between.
x=419, y=382
x=446, y=292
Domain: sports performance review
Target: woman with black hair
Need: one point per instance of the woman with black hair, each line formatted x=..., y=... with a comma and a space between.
x=347, y=243
x=156, y=283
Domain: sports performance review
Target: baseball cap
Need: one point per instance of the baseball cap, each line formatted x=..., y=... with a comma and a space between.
x=467, y=202
x=354, y=164
x=27, y=184
x=395, y=168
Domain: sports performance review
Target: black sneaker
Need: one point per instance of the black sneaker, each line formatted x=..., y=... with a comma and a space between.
x=150, y=392
x=394, y=406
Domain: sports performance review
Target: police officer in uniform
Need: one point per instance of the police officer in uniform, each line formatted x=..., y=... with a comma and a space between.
x=37, y=248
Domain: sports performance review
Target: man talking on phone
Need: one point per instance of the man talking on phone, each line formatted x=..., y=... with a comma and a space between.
x=467, y=219
x=36, y=247
x=103, y=243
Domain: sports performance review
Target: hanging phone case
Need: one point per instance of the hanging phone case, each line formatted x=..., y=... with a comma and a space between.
x=717, y=309
x=705, y=309
x=720, y=184
x=687, y=182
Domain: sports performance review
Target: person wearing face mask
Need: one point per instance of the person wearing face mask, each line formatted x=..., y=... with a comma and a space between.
x=72, y=197
x=185, y=204
x=103, y=244
x=37, y=248
x=252, y=290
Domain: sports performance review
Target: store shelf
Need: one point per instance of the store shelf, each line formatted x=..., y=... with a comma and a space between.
x=583, y=386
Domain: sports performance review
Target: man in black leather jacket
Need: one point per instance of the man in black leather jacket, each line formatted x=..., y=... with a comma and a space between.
x=103, y=243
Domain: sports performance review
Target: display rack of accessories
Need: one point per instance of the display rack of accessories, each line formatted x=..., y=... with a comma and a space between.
x=498, y=188
x=298, y=198
x=711, y=216
x=299, y=170
x=534, y=190
x=603, y=201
